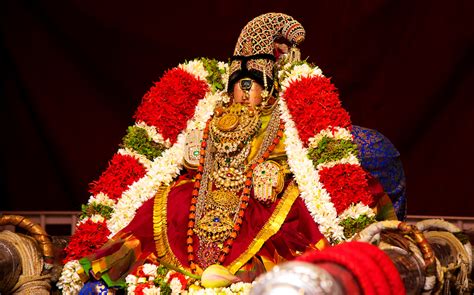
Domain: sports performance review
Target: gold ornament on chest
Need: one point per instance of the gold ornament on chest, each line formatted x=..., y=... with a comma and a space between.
x=218, y=220
x=228, y=122
x=232, y=131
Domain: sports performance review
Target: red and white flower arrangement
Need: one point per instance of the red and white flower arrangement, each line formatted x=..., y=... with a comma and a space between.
x=188, y=94
x=306, y=95
x=152, y=279
x=125, y=193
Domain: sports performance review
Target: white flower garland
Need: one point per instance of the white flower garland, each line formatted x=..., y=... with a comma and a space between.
x=153, y=134
x=166, y=167
x=161, y=170
x=291, y=72
x=350, y=159
x=356, y=210
x=102, y=199
x=316, y=198
x=69, y=282
x=96, y=218
x=196, y=68
x=236, y=288
x=331, y=132
x=140, y=158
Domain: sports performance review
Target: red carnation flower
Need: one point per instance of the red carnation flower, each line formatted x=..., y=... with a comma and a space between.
x=89, y=236
x=347, y=184
x=171, y=102
x=123, y=170
x=314, y=105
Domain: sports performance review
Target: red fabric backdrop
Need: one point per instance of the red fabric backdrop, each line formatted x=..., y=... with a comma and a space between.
x=73, y=73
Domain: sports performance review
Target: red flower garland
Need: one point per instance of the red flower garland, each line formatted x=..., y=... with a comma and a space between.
x=347, y=184
x=89, y=236
x=314, y=105
x=171, y=102
x=123, y=170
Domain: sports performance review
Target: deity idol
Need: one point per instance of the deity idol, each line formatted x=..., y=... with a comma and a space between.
x=242, y=165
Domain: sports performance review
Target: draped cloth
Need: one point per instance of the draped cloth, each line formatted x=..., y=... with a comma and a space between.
x=382, y=160
x=267, y=237
x=269, y=234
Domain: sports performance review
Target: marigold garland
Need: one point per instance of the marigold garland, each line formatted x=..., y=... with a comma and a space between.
x=347, y=184
x=171, y=102
x=123, y=170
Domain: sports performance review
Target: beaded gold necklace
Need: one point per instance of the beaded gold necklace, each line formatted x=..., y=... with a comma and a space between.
x=218, y=230
x=231, y=132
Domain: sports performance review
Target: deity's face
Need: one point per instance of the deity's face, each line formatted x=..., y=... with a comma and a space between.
x=247, y=91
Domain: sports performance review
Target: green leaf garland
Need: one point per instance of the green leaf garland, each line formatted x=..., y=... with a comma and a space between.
x=330, y=149
x=96, y=208
x=138, y=140
x=352, y=226
x=215, y=77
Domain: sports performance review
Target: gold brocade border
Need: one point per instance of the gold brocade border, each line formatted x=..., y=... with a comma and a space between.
x=163, y=249
x=272, y=225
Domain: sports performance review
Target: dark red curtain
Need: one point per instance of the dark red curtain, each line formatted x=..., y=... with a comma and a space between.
x=73, y=73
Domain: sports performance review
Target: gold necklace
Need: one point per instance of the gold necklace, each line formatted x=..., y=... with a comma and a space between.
x=231, y=133
x=216, y=213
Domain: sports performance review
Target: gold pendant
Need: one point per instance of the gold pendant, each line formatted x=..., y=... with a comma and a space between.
x=228, y=122
x=214, y=226
x=217, y=223
x=226, y=200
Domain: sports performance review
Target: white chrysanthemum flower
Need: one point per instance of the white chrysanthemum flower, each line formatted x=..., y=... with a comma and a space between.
x=176, y=287
x=149, y=269
x=204, y=110
x=241, y=287
x=152, y=290
x=101, y=199
x=69, y=281
x=131, y=279
x=196, y=68
x=97, y=218
x=131, y=290
x=357, y=210
x=290, y=74
x=223, y=66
